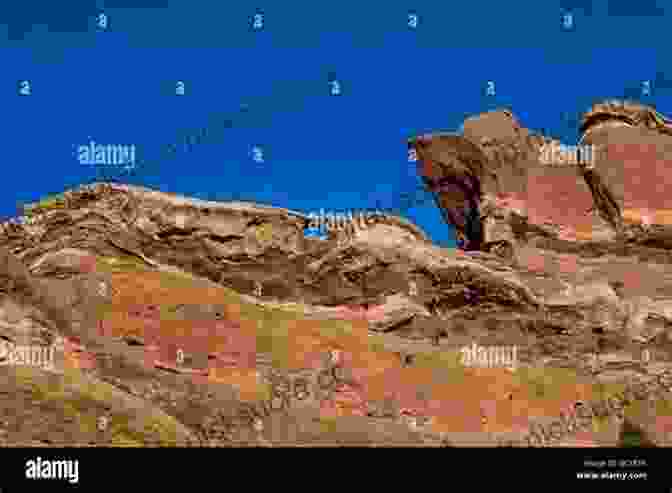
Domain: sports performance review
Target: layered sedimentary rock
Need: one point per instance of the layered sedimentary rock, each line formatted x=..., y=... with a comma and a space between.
x=597, y=221
x=630, y=174
x=570, y=223
x=617, y=189
x=453, y=168
x=549, y=269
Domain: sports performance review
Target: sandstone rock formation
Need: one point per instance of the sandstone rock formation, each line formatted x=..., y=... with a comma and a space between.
x=241, y=331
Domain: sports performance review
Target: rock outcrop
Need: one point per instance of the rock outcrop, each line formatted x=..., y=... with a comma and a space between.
x=240, y=330
x=617, y=190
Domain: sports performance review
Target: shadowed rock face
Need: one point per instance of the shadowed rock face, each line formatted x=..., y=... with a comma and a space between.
x=452, y=169
x=495, y=165
x=470, y=173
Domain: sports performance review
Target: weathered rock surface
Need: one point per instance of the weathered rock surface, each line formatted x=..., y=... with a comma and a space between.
x=590, y=239
x=196, y=307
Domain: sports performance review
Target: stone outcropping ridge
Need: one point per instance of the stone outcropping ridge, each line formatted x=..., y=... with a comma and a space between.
x=552, y=275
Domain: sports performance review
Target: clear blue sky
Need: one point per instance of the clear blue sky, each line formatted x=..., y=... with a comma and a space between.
x=320, y=151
